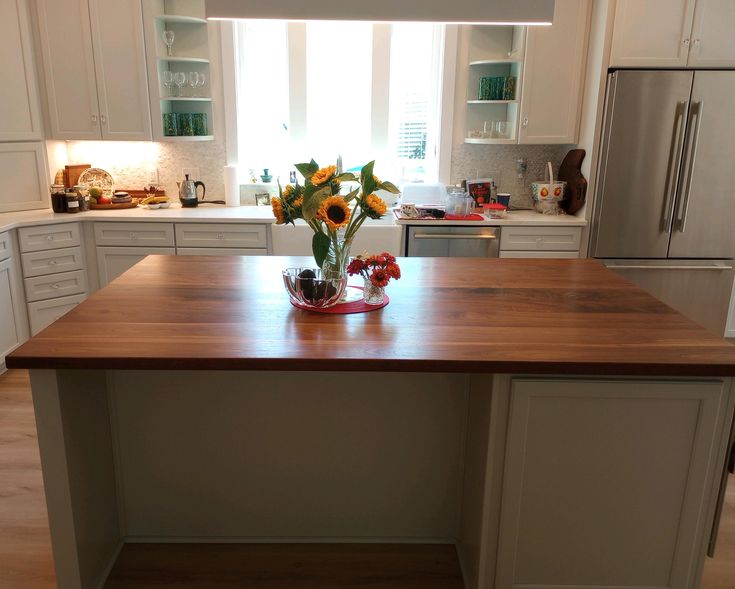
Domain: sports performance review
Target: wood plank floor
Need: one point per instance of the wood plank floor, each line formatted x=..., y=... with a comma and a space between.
x=25, y=546
x=287, y=566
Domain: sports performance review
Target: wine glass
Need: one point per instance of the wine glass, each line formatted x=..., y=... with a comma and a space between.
x=179, y=80
x=168, y=39
x=201, y=81
x=168, y=81
x=193, y=82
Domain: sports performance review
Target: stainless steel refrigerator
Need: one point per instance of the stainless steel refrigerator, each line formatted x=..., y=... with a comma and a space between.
x=665, y=208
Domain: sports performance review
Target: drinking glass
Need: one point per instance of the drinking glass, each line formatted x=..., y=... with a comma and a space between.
x=168, y=39
x=201, y=81
x=168, y=81
x=193, y=79
x=179, y=80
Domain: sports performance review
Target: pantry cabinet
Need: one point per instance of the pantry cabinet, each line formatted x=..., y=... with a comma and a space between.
x=94, y=68
x=20, y=115
x=551, y=97
x=673, y=33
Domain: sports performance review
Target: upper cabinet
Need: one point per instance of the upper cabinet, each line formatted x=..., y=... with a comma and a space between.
x=673, y=33
x=20, y=118
x=95, y=69
x=551, y=97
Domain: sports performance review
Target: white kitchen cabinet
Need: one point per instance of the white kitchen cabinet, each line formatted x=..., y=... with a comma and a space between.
x=95, y=70
x=23, y=166
x=552, y=239
x=113, y=261
x=220, y=251
x=551, y=97
x=673, y=33
x=43, y=313
x=9, y=331
x=576, y=512
x=712, y=41
x=221, y=235
x=20, y=115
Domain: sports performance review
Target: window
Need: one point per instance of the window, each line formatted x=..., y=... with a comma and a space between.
x=326, y=89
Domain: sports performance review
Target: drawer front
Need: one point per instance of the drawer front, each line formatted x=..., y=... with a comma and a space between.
x=221, y=251
x=53, y=286
x=541, y=238
x=52, y=261
x=539, y=254
x=47, y=237
x=44, y=313
x=134, y=234
x=4, y=246
x=222, y=235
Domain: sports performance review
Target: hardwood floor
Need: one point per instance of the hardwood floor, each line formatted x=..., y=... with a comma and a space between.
x=25, y=546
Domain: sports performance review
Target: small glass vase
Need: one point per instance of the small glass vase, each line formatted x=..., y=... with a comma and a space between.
x=371, y=294
x=335, y=264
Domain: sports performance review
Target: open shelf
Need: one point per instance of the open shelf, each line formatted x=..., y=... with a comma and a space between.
x=296, y=566
x=183, y=59
x=186, y=99
x=492, y=102
x=491, y=141
x=186, y=138
x=494, y=61
x=180, y=19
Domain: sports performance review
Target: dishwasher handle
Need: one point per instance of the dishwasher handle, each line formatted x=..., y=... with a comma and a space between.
x=454, y=236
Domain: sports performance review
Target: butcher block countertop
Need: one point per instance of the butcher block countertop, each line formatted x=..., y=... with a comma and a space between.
x=523, y=316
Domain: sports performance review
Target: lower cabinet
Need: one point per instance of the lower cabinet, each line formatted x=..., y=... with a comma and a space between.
x=540, y=242
x=10, y=333
x=113, y=261
x=41, y=314
x=608, y=483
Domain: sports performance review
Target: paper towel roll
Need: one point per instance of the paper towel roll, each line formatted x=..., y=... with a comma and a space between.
x=232, y=187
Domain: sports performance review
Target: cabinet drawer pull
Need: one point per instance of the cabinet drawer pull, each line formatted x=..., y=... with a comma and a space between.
x=49, y=238
x=220, y=236
x=453, y=236
x=52, y=262
x=56, y=285
x=133, y=235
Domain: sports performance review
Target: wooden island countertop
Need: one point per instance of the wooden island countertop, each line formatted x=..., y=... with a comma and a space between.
x=445, y=315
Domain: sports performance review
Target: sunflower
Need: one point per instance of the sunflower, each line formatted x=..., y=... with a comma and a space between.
x=298, y=202
x=334, y=212
x=277, y=206
x=288, y=191
x=374, y=206
x=323, y=175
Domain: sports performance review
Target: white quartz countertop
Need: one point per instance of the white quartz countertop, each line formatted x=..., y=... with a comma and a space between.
x=203, y=214
x=250, y=214
x=530, y=218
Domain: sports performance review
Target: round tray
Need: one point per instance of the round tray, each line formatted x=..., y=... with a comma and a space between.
x=354, y=303
x=115, y=205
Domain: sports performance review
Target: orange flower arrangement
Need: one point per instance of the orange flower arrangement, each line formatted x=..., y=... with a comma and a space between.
x=378, y=269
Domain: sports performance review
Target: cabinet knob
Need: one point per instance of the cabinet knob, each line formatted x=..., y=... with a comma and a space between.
x=133, y=236
x=52, y=263
x=49, y=238
x=220, y=236
x=539, y=241
x=685, y=42
x=56, y=285
x=94, y=119
x=103, y=118
x=697, y=43
x=525, y=122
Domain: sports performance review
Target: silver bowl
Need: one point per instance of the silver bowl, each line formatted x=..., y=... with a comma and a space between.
x=310, y=287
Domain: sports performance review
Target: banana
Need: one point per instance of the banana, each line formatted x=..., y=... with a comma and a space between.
x=154, y=200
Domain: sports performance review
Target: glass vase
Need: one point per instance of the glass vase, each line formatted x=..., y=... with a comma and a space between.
x=338, y=256
x=371, y=294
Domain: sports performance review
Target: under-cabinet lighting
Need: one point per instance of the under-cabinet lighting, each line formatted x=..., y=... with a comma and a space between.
x=473, y=12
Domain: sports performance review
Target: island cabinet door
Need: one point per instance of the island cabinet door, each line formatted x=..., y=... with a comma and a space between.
x=113, y=261
x=609, y=483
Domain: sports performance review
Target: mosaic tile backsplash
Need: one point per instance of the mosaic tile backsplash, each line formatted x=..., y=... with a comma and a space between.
x=134, y=165
x=488, y=161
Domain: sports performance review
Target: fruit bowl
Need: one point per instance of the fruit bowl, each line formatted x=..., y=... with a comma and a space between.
x=309, y=287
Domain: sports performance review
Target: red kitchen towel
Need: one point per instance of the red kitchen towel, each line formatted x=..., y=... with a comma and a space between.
x=472, y=217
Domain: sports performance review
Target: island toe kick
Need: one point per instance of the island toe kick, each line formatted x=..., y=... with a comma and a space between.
x=381, y=480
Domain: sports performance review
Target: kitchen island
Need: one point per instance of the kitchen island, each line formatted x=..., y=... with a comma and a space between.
x=556, y=424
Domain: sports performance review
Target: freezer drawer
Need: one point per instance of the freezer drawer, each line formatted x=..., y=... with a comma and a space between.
x=453, y=241
x=698, y=289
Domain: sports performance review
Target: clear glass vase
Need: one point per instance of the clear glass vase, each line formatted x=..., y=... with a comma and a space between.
x=371, y=294
x=338, y=256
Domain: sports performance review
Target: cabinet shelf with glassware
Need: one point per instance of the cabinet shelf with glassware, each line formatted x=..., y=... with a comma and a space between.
x=495, y=63
x=177, y=40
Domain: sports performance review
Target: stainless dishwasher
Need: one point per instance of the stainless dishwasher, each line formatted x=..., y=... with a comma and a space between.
x=456, y=241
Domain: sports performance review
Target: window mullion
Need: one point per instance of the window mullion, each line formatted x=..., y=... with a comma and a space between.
x=380, y=103
x=297, y=81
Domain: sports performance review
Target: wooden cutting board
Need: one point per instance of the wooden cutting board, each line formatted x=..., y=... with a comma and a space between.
x=571, y=173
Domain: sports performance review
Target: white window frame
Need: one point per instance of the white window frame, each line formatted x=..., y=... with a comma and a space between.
x=380, y=97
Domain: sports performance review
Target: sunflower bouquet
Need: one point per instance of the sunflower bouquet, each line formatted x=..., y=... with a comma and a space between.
x=334, y=217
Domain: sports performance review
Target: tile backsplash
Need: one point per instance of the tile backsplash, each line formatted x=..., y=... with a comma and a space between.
x=136, y=164
x=482, y=161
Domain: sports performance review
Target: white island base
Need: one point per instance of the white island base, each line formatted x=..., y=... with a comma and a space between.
x=543, y=482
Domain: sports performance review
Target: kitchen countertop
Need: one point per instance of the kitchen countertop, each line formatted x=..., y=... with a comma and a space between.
x=474, y=315
x=249, y=214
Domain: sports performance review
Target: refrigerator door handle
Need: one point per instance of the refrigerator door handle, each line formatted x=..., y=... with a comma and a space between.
x=672, y=184
x=698, y=108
